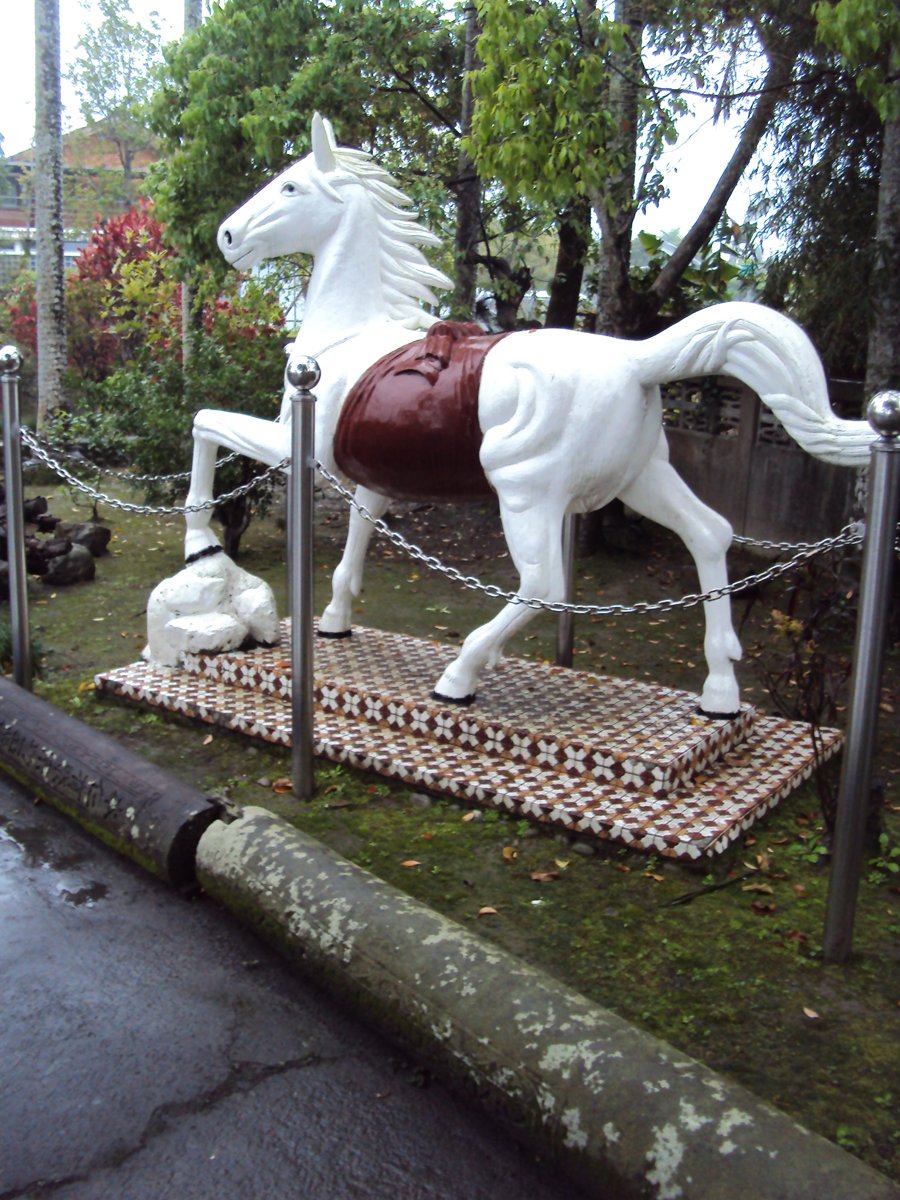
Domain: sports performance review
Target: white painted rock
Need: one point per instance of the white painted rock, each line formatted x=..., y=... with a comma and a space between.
x=211, y=606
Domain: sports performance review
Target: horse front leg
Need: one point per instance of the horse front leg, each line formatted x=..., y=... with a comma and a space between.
x=534, y=538
x=346, y=582
x=660, y=494
x=213, y=605
x=266, y=441
x=199, y=537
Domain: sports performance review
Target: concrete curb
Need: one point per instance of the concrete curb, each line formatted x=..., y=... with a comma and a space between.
x=139, y=809
x=625, y=1114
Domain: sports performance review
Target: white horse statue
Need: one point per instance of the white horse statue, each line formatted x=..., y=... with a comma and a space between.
x=568, y=421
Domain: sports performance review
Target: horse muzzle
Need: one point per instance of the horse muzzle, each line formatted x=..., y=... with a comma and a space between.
x=237, y=249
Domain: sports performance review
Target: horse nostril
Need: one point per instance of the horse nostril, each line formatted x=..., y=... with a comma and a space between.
x=226, y=237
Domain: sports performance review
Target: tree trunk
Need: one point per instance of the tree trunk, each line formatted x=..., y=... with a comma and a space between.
x=193, y=18
x=615, y=208
x=48, y=187
x=883, y=363
x=565, y=289
x=193, y=14
x=467, y=188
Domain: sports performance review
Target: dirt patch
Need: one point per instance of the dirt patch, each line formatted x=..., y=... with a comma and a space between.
x=723, y=961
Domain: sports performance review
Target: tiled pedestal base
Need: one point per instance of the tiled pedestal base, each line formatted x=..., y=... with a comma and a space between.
x=614, y=758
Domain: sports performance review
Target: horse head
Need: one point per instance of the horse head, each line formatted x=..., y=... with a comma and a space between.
x=343, y=208
x=294, y=213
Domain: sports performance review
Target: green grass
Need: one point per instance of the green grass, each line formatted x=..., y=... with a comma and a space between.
x=724, y=961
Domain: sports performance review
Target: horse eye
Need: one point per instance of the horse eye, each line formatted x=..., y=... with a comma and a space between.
x=289, y=189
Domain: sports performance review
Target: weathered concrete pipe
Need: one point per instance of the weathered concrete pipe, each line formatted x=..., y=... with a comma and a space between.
x=626, y=1114
x=139, y=809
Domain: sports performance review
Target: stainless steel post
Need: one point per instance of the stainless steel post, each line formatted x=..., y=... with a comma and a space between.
x=868, y=660
x=303, y=375
x=565, y=627
x=10, y=364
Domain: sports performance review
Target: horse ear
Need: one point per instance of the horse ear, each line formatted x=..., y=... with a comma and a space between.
x=323, y=144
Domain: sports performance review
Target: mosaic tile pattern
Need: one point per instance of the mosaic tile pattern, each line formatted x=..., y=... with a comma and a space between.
x=616, y=759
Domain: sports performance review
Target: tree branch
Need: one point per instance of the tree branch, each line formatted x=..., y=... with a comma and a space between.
x=778, y=77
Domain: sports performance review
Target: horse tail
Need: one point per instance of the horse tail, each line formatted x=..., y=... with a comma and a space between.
x=770, y=354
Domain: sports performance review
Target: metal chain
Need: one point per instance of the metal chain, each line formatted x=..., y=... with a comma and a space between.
x=126, y=476
x=849, y=536
x=147, y=509
x=783, y=547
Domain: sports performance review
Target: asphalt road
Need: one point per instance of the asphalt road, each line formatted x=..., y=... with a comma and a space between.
x=151, y=1048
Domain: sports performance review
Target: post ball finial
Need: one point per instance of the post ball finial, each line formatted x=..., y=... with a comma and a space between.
x=303, y=373
x=884, y=414
x=10, y=360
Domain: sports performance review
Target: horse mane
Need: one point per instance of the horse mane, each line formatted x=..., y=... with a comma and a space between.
x=407, y=277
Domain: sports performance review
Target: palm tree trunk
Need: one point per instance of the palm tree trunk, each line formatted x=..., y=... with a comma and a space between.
x=48, y=171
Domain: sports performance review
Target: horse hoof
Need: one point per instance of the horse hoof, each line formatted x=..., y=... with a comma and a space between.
x=341, y=633
x=717, y=716
x=462, y=701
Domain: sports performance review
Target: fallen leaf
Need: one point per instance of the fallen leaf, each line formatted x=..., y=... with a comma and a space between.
x=799, y=890
x=650, y=875
x=762, y=909
x=470, y=816
x=426, y=837
x=562, y=863
x=544, y=876
x=749, y=840
x=282, y=785
x=87, y=686
x=411, y=862
x=487, y=911
x=510, y=854
x=794, y=935
x=208, y=739
x=765, y=888
x=811, y=1013
x=621, y=867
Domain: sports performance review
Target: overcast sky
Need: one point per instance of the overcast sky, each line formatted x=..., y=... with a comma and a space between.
x=691, y=167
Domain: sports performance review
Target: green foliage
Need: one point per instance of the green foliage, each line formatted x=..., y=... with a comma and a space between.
x=884, y=867
x=238, y=94
x=727, y=268
x=142, y=412
x=822, y=197
x=542, y=99
x=137, y=411
x=866, y=33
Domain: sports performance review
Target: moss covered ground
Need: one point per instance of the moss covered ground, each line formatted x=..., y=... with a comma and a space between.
x=723, y=960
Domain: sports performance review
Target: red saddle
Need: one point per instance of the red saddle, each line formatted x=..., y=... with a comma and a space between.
x=409, y=427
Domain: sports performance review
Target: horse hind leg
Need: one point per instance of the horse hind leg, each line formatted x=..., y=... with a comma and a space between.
x=534, y=538
x=660, y=494
x=346, y=582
